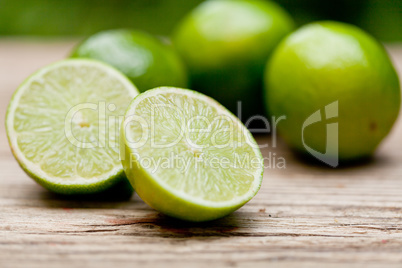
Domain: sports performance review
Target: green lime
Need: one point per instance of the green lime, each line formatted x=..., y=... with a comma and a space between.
x=226, y=44
x=63, y=126
x=344, y=74
x=187, y=156
x=144, y=59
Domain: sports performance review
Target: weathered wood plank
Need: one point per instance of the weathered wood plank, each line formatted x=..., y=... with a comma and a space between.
x=304, y=215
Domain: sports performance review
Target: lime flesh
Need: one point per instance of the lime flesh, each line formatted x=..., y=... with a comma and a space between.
x=187, y=156
x=62, y=125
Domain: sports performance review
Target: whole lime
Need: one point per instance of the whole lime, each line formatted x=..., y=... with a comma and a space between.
x=226, y=44
x=144, y=59
x=337, y=88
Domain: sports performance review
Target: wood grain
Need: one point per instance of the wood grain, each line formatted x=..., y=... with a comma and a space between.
x=305, y=215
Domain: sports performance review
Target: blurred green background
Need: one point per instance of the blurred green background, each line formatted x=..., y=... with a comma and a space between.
x=382, y=18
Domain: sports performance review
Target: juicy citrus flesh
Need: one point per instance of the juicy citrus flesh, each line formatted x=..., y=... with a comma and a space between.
x=191, y=153
x=144, y=59
x=59, y=129
x=327, y=62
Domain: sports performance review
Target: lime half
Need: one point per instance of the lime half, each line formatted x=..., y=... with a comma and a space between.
x=63, y=125
x=188, y=156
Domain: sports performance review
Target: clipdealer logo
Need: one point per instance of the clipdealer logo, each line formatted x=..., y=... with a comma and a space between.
x=330, y=157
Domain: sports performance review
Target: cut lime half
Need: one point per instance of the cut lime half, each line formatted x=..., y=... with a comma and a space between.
x=188, y=156
x=63, y=125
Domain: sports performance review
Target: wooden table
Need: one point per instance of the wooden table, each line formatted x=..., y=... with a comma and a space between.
x=304, y=215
